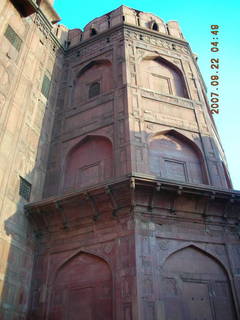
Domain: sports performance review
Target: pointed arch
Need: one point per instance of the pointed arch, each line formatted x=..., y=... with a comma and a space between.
x=97, y=63
x=65, y=262
x=154, y=26
x=174, y=156
x=199, y=281
x=89, y=162
x=199, y=249
x=97, y=71
x=161, y=75
x=178, y=134
x=82, y=288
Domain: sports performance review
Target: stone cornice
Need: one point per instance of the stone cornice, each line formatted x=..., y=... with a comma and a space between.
x=46, y=28
x=142, y=181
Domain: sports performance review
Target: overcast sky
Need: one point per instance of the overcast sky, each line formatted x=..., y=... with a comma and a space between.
x=195, y=19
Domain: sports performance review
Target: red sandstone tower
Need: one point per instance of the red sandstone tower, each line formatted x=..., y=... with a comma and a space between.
x=139, y=220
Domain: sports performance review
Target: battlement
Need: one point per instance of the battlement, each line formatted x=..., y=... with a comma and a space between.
x=124, y=15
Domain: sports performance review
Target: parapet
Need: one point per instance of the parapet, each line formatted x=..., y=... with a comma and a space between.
x=124, y=15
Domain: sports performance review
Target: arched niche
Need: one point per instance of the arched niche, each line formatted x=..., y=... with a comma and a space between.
x=88, y=163
x=97, y=71
x=154, y=26
x=82, y=289
x=196, y=286
x=147, y=20
x=162, y=76
x=174, y=156
x=93, y=32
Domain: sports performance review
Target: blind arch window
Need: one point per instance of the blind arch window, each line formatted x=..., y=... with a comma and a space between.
x=94, y=89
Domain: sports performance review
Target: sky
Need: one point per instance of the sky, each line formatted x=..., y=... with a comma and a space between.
x=195, y=19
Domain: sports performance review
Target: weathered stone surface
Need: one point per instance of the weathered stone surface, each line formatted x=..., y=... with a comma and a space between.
x=25, y=126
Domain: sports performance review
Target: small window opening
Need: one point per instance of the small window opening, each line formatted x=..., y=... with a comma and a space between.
x=155, y=26
x=25, y=189
x=93, y=32
x=46, y=84
x=94, y=90
x=123, y=18
x=13, y=38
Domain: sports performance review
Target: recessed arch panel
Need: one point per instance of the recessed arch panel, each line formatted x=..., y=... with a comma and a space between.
x=99, y=71
x=162, y=76
x=88, y=163
x=82, y=290
x=173, y=156
x=196, y=286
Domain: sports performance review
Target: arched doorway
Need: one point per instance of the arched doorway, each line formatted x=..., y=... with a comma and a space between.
x=82, y=290
x=195, y=287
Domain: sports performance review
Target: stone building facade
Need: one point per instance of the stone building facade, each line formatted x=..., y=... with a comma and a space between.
x=132, y=214
x=31, y=55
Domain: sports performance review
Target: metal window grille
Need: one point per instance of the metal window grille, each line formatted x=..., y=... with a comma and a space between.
x=94, y=89
x=46, y=86
x=25, y=189
x=13, y=38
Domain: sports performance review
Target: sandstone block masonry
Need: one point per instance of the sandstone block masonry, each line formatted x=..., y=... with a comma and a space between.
x=108, y=145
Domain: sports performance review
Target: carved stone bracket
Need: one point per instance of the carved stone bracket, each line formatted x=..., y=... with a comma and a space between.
x=93, y=204
x=153, y=195
x=35, y=226
x=132, y=190
x=174, y=199
x=113, y=201
x=44, y=219
x=64, y=219
x=229, y=207
x=208, y=200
